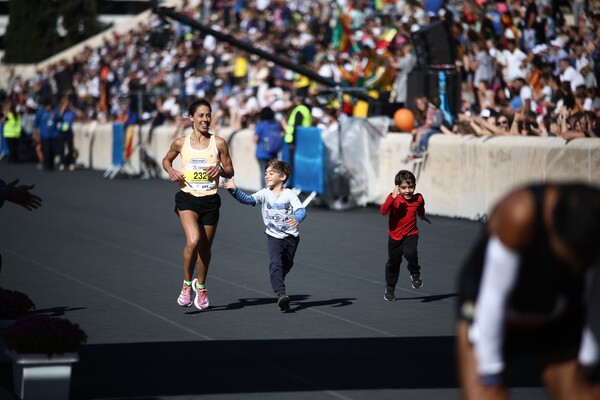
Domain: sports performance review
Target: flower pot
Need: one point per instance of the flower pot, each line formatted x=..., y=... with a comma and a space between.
x=4, y=323
x=37, y=376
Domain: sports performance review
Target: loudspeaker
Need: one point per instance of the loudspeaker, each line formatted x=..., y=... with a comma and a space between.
x=426, y=83
x=433, y=45
x=421, y=50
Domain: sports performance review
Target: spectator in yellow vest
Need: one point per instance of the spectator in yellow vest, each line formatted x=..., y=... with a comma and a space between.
x=12, y=130
x=299, y=116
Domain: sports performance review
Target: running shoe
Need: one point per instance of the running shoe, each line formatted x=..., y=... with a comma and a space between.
x=389, y=295
x=283, y=301
x=201, y=300
x=185, y=297
x=416, y=280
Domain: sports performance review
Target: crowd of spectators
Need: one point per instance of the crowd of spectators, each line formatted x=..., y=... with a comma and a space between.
x=527, y=67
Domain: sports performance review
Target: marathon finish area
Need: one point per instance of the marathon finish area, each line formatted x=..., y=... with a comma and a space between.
x=107, y=254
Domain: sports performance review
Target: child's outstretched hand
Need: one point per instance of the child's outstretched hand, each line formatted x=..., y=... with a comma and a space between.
x=229, y=184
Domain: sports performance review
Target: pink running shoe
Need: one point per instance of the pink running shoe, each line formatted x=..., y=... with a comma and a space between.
x=185, y=297
x=201, y=300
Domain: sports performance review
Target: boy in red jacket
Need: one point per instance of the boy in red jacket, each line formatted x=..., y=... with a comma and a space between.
x=403, y=205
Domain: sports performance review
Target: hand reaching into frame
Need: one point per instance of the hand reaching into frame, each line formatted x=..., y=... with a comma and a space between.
x=22, y=196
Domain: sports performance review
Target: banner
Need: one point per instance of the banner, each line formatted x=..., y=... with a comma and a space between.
x=309, y=160
x=118, y=148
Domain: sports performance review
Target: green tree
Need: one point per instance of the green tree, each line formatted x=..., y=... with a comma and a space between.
x=33, y=32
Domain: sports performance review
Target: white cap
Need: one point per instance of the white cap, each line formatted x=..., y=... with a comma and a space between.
x=558, y=42
x=30, y=103
x=540, y=48
x=485, y=113
x=316, y=112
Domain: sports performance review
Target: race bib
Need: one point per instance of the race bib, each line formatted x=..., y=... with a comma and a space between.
x=197, y=178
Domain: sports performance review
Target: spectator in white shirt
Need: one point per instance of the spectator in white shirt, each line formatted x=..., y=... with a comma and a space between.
x=512, y=61
x=570, y=74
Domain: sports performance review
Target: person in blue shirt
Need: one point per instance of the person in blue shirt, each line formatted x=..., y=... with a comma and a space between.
x=282, y=212
x=45, y=127
x=66, y=115
x=268, y=136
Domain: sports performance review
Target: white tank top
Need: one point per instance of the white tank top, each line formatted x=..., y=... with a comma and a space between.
x=196, y=181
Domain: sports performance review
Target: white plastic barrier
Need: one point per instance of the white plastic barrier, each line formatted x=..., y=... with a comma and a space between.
x=462, y=176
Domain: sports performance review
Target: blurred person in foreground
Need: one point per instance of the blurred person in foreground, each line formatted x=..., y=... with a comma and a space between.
x=532, y=286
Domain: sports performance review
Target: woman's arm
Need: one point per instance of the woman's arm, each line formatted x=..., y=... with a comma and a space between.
x=500, y=270
x=227, y=170
x=510, y=228
x=167, y=161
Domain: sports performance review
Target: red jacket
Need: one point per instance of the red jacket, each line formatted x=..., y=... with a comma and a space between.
x=403, y=215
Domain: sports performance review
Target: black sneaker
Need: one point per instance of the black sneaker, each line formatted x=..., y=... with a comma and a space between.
x=389, y=295
x=416, y=280
x=283, y=301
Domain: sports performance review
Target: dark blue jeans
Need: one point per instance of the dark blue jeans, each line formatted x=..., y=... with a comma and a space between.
x=281, y=260
x=406, y=247
x=49, y=151
x=424, y=142
x=66, y=140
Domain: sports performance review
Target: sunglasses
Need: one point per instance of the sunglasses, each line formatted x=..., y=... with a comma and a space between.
x=503, y=122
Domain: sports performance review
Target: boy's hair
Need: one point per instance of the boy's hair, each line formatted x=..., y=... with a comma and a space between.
x=405, y=175
x=280, y=166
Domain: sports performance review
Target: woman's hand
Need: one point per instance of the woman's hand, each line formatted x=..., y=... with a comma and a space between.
x=175, y=176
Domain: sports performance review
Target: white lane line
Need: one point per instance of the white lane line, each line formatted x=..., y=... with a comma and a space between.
x=190, y=331
x=156, y=259
x=107, y=293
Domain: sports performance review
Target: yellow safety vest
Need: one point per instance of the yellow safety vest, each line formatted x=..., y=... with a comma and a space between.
x=306, y=121
x=12, y=126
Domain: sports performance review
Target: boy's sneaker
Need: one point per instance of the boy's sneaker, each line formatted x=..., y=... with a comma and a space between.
x=201, y=300
x=283, y=301
x=185, y=297
x=389, y=295
x=416, y=280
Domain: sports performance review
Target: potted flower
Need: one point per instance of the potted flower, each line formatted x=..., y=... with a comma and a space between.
x=41, y=347
x=13, y=305
x=44, y=335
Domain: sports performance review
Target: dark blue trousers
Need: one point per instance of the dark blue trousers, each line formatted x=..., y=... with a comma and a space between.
x=49, y=151
x=281, y=260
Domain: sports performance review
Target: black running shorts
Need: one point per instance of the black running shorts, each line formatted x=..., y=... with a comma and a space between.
x=207, y=207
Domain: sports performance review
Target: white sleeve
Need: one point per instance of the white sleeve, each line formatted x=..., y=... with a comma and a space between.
x=589, y=352
x=501, y=265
